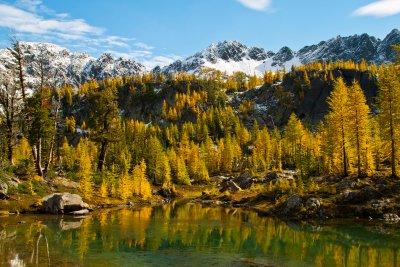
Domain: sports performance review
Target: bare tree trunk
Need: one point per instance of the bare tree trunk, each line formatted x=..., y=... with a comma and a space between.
x=37, y=155
x=19, y=57
x=50, y=155
x=9, y=140
x=21, y=75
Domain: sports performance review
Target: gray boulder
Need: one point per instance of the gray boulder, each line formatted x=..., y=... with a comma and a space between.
x=3, y=190
x=313, y=203
x=365, y=194
x=350, y=196
x=63, y=203
x=12, y=181
x=166, y=192
x=230, y=186
x=279, y=177
x=7, y=182
x=347, y=185
x=244, y=181
x=380, y=203
x=293, y=202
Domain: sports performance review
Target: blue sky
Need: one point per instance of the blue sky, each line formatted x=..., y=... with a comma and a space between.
x=160, y=31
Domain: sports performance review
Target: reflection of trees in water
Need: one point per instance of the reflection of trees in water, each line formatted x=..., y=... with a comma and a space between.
x=201, y=229
x=207, y=229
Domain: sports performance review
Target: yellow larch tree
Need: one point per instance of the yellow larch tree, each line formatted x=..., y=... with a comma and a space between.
x=84, y=163
x=337, y=120
x=389, y=110
x=358, y=128
x=141, y=185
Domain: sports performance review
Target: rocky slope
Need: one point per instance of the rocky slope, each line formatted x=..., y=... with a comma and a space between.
x=68, y=67
x=231, y=56
x=273, y=103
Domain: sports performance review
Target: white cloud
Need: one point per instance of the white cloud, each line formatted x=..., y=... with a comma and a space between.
x=30, y=5
x=259, y=5
x=31, y=20
x=147, y=58
x=28, y=22
x=382, y=8
x=115, y=41
x=160, y=61
x=144, y=46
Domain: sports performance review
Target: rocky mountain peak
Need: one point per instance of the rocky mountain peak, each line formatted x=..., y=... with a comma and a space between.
x=284, y=54
x=231, y=56
x=69, y=67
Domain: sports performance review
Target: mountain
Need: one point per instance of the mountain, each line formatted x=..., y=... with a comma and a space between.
x=228, y=56
x=69, y=67
x=231, y=56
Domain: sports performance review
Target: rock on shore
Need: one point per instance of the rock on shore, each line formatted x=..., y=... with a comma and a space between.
x=60, y=203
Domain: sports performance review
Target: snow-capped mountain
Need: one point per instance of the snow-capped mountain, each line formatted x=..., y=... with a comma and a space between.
x=231, y=56
x=75, y=68
x=68, y=67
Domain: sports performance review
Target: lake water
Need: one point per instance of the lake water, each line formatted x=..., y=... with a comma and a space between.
x=192, y=235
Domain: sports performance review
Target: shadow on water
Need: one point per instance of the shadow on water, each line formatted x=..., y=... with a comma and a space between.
x=192, y=235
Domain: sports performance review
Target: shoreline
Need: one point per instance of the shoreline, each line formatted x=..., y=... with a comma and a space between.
x=370, y=198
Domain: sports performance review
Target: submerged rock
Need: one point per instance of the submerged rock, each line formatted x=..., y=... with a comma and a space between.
x=63, y=203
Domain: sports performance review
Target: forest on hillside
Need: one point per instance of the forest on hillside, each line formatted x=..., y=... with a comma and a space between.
x=118, y=137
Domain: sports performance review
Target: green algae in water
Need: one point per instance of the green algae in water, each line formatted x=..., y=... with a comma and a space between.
x=192, y=235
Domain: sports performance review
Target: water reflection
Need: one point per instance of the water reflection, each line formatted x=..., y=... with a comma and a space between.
x=191, y=235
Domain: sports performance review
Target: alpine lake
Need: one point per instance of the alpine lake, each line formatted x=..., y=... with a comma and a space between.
x=190, y=234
